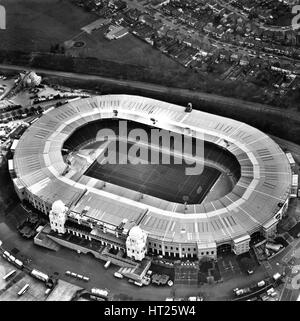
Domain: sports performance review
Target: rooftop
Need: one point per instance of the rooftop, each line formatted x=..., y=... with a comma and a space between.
x=265, y=171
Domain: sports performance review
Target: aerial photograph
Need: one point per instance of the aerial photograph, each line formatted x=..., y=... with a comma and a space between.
x=149, y=152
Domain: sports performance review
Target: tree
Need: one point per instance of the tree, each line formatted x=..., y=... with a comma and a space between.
x=32, y=110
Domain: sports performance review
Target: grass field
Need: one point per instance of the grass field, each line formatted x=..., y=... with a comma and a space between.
x=161, y=177
x=128, y=49
x=168, y=182
x=33, y=25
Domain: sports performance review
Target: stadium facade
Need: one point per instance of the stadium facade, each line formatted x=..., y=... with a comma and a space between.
x=92, y=211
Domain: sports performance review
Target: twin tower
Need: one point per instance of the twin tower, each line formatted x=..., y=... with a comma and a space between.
x=136, y=242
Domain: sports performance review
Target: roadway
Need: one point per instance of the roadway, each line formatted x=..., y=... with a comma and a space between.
x=189, y=94
x=243, y=15
x=63, y=260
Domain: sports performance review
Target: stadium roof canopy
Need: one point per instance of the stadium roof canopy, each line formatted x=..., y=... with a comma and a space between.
x=264, y=183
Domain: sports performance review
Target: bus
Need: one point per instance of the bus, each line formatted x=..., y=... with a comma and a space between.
x=6, y=255
x=274, y=247
x=100, y=292
x=39, y=275
x=23, y=290
x=107, y=264
x=9, y=275
x=19, y=263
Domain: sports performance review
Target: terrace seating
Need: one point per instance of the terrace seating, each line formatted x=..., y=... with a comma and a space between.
x=82, y=136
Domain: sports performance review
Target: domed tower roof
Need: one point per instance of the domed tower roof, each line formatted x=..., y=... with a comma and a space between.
x=136, y=232
x=58, y=206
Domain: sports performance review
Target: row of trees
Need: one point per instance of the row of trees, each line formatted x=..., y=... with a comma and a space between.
x=17, y=114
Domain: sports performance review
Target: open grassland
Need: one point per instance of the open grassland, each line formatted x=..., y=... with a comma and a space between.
x=129, y=50
x=33, y=25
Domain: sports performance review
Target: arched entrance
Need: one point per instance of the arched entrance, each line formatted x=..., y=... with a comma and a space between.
x=255, y=238
x=224, y=249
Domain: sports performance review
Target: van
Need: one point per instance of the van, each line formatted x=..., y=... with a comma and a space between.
x=47, y=292
x=118, y=275
x=107, y=264
x=9, y=275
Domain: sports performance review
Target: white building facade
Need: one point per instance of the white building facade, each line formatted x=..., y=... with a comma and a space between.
x=136, y=244
x=58, y=217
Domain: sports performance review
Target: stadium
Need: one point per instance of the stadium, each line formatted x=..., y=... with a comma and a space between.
x=242, y=192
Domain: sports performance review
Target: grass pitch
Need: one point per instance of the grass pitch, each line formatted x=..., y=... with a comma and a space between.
x=168, y=182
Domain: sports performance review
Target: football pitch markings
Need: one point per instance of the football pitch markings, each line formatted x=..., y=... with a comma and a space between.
x=167, y=182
